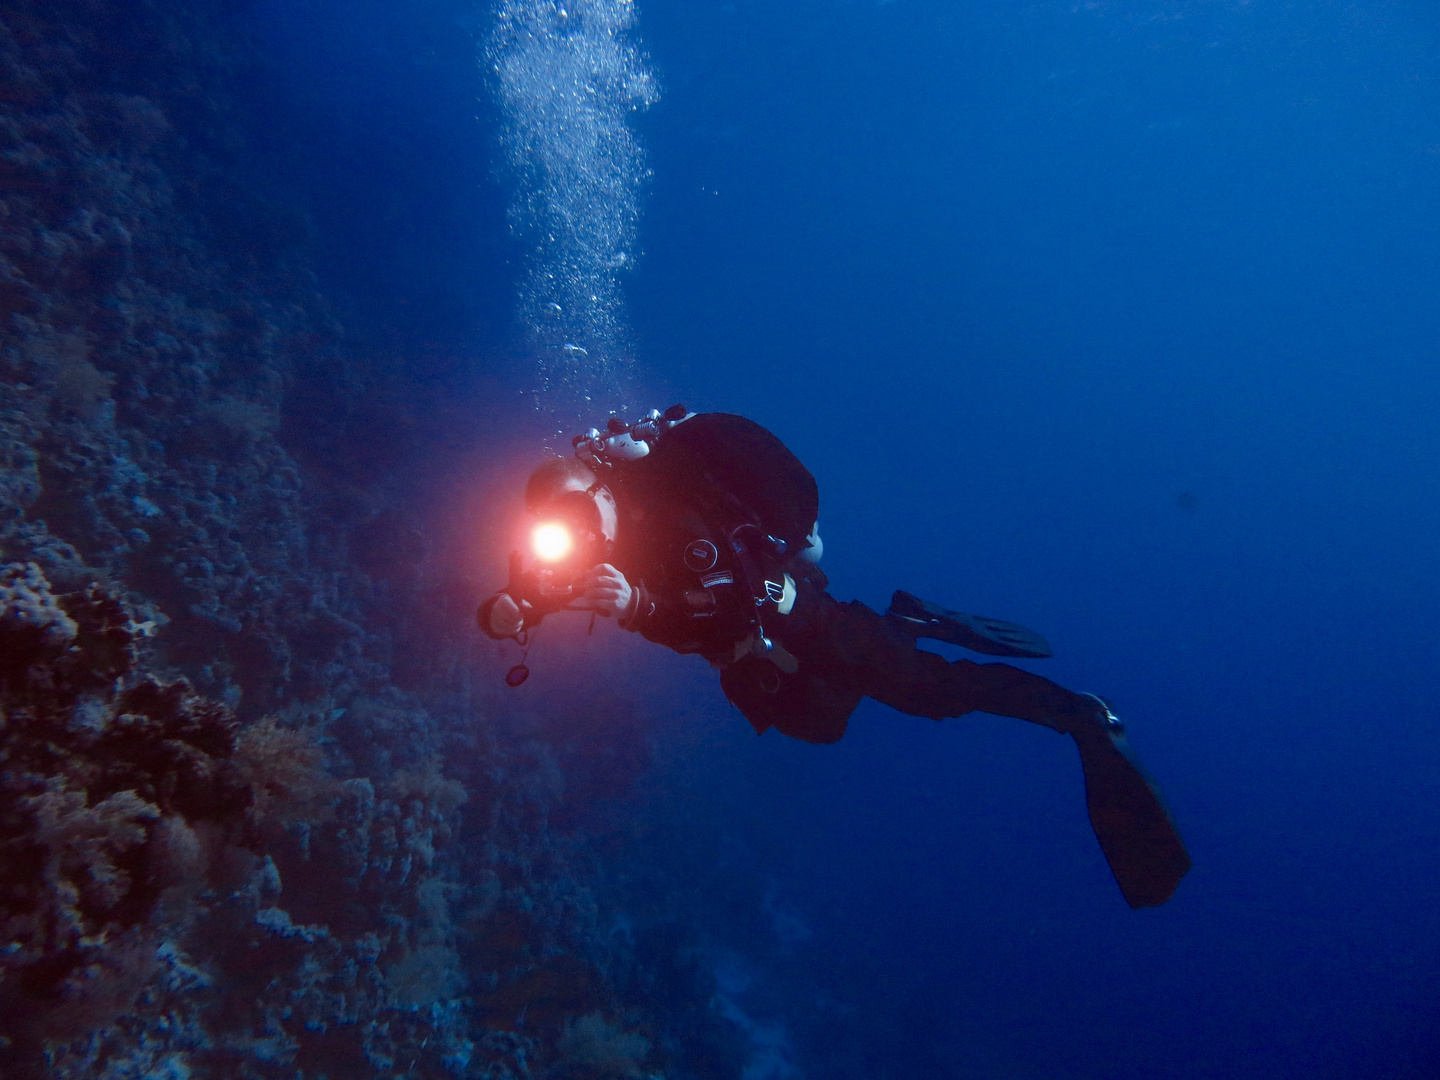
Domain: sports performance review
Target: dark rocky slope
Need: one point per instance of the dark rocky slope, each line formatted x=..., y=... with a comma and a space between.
x=230, y=844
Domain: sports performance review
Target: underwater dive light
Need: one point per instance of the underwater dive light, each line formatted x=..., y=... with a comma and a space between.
x=552, y=541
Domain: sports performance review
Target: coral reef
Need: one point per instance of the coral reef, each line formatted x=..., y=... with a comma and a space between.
x=187, y=890
x=233, y=843
x=144, y=365
x=118, y=798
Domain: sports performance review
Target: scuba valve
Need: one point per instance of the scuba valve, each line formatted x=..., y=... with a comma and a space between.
x=620, y=442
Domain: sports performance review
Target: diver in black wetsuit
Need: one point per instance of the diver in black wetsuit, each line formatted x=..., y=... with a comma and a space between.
x=700, y=532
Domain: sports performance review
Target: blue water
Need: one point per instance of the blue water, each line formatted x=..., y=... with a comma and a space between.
x=1116, y=319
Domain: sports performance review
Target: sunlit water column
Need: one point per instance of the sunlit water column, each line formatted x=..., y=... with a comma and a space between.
x=568, y=76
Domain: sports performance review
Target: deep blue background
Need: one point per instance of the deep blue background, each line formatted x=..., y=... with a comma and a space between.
x=1119, y=320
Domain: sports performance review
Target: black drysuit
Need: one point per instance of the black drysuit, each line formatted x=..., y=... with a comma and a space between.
x=719, y=482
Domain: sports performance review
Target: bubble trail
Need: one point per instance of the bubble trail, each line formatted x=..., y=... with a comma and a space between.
x=567, y=76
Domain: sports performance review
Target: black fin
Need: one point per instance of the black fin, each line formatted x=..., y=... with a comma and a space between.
x=993, y=637
x=1130, y=819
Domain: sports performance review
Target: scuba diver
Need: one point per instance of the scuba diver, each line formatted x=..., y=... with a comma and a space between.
x=700, y=532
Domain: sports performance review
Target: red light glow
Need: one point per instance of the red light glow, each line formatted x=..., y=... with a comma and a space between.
x=552, y=542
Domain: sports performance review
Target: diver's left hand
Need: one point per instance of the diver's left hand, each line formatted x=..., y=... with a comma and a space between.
x=607, y=592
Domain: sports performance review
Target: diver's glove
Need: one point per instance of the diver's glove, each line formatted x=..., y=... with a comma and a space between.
x=1128, y=813
x=502, y=616
x=608, y=593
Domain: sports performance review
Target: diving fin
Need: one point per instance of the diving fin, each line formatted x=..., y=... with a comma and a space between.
x=1135, y=830
x=994, y=637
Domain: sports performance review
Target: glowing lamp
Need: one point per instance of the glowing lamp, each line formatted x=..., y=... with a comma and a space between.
x=552, y=542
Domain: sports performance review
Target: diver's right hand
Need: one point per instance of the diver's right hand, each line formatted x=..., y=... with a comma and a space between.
x=505, y=618
x=607, y=592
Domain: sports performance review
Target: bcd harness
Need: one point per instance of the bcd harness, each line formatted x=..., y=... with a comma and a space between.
x=737, y=562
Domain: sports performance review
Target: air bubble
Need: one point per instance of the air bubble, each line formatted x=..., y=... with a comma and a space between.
x=567, y=77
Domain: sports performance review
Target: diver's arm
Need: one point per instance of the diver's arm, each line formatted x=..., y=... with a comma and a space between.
x=609, y=592
x=661, y=616
x=656, y=614
x=641, y=610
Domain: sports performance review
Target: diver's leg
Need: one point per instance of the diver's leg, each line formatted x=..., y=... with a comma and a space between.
x=1126, y=810
x=880, y=660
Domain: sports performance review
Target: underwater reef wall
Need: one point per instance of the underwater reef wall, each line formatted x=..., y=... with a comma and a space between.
x=230, y=844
